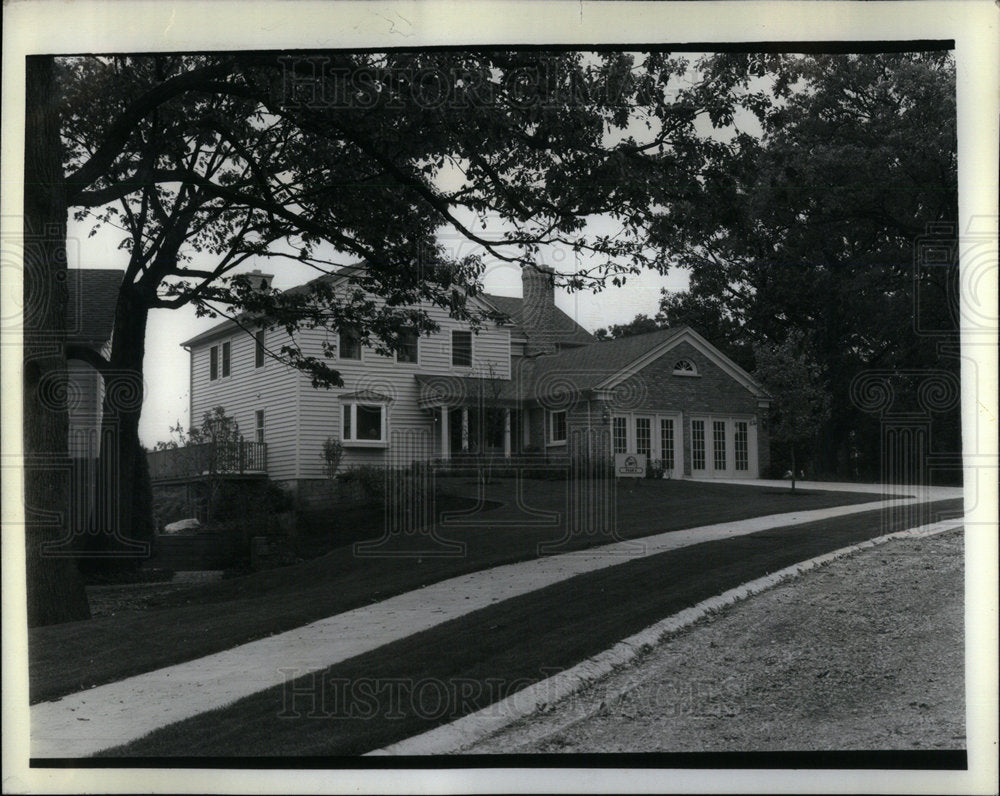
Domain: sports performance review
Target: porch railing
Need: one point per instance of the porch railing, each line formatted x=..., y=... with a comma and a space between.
x=208, y=458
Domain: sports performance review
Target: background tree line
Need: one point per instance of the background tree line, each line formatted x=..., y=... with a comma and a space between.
x=820, y=229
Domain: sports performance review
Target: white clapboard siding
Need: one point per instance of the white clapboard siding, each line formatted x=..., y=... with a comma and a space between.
x=412, y=431
x=299, y=417
x=246, y=390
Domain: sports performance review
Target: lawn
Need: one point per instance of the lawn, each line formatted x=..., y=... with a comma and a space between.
x=458, y=667
x=211, y=618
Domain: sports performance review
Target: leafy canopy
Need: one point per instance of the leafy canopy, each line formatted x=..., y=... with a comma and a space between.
x=414, y=163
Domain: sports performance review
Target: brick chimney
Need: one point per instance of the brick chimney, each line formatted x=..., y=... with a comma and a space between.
x=259, y=280
x=539, y=308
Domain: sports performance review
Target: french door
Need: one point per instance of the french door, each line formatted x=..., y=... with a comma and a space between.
x=723, y=447
x=656, y=435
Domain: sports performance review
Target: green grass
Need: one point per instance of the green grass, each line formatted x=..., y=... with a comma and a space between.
x=463, y=665
x=200, y=621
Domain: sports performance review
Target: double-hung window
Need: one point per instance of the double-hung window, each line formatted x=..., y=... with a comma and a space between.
x=461, y=348
x=350, y=343
x=557, y=427
x=408, y=350
x=213, y=360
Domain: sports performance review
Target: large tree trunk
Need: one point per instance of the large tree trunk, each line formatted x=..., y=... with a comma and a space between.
x=54, y=586
x=124, y=498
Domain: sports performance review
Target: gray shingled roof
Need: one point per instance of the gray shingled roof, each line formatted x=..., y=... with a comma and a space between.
x=581, y=368
x=587, y=366
x=90, y=309
x=567, y=331
x=573, y=370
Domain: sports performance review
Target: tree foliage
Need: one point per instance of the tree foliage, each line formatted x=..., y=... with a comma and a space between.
x=640, y=324
x=800, y=401
x=816, y=225
x=332, y=453
x=213, y=449
x=208, y=161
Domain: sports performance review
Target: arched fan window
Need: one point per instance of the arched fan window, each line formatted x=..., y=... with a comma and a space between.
x=685, y=367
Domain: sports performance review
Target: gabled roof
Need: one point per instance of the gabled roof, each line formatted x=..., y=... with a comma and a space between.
x=603, y=365
x=567, y=331
x=90, y=308
x=589, y=366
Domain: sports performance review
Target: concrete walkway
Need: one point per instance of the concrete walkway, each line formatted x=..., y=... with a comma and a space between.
x=923, y=493
x=106, y=716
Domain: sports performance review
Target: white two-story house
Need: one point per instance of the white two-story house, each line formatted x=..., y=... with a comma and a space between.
x=537, y=383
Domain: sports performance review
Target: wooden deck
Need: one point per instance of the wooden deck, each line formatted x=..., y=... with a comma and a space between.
x=194, y=462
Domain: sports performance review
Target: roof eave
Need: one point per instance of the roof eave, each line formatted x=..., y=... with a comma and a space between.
x=226, y=326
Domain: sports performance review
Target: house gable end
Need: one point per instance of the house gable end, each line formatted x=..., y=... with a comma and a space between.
x=686, y=335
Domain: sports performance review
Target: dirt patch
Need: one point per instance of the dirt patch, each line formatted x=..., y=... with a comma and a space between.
x=864, y=653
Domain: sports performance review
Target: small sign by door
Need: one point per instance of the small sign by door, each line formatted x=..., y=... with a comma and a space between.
x=630, y=465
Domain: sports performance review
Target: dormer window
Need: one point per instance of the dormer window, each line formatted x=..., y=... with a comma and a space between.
x=685, y=367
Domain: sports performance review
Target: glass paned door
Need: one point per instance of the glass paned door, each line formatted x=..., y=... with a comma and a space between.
x=620, y=434
x=742, y=447
x=667, y=442
x=724, y=447
x=643, y=436
x=697, y=445
x=719, y=445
